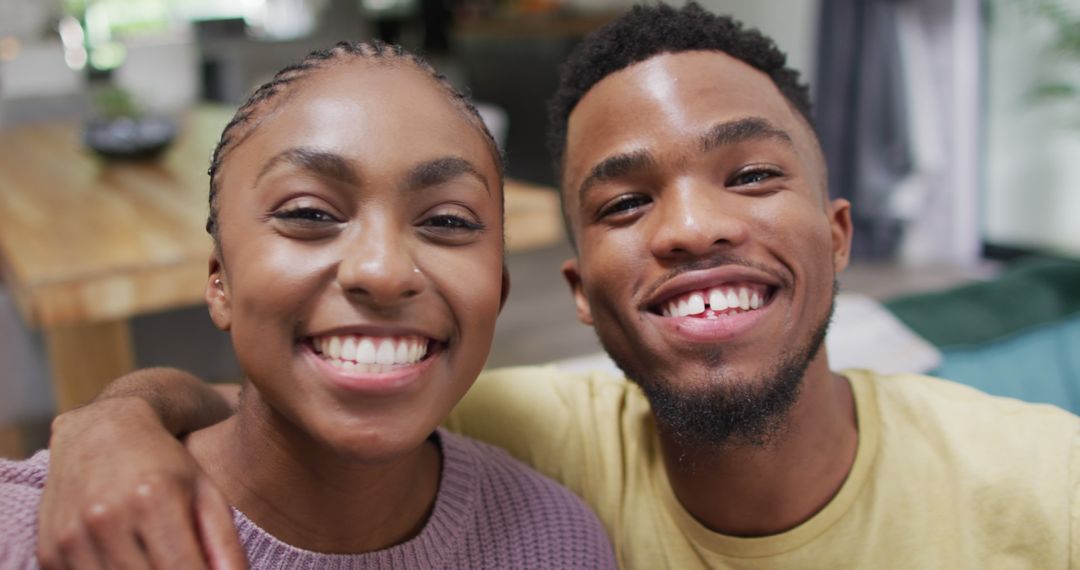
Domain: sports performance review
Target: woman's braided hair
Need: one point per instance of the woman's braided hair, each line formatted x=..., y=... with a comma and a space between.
x=244, y=122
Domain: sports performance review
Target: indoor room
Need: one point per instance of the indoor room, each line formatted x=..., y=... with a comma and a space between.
x=951, y=127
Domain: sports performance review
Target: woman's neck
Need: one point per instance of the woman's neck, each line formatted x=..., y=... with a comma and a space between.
x=313, y=497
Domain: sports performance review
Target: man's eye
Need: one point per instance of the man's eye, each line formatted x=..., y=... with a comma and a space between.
x=306, y=215
x=624, y=204
x=753, y=176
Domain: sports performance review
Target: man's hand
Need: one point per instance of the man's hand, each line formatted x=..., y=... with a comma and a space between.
x=123, y=492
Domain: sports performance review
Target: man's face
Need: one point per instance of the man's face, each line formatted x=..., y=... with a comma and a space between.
x=707, y=247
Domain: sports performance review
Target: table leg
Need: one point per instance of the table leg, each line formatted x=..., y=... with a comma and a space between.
x=11, y=446
x=85, y=358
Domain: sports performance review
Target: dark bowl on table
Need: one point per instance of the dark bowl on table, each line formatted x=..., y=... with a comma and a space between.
x=129, y=138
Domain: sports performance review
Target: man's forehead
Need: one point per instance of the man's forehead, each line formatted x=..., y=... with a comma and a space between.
x=685, y=92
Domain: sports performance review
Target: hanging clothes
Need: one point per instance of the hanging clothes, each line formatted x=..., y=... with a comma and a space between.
x=862, y=116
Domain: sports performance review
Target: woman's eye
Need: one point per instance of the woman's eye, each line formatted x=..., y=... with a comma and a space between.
x=305, y=215
x=753, y=176
x=624, y=204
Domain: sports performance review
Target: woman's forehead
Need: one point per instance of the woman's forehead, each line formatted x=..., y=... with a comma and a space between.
x=398, y=88
x=370, y=113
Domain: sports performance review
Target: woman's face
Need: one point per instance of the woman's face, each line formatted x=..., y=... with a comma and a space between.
x=361, y=257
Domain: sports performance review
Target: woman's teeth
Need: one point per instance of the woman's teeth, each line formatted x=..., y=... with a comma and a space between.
x=370, y=353
x=712, y=301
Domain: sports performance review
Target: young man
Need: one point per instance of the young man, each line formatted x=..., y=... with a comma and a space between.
x=706, y=255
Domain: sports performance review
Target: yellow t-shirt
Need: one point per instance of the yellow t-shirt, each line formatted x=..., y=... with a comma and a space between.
x=944, y=476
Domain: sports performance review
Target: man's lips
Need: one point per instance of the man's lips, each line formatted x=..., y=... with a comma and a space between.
x=729, y=298
x=718, y=313
x=711, y=292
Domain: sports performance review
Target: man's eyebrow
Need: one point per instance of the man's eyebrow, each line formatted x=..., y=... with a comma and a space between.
x=741, y=130
x=442, y=170
x=616, y=166
x=322, y=163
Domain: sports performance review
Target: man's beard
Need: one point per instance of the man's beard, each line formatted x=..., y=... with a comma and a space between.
x=729, y=411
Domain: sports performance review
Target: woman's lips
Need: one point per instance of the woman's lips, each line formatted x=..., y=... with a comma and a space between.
x=371, y=364
x=370, y=353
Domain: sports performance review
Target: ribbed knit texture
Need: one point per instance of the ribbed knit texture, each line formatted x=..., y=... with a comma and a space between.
x=21, y=483
x=490, y=512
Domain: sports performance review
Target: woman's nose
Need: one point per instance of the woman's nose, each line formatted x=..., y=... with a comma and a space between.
x=377, y=265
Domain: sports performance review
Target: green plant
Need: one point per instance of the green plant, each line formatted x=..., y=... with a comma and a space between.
x=114, y=102
x=1059, y=66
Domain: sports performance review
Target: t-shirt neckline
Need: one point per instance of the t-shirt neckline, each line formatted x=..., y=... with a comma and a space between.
x=866, y=413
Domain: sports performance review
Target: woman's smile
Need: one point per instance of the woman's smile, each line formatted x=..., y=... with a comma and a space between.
x=370, y=364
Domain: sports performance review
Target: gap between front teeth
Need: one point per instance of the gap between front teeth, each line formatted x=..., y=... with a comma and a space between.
x=719, y=300
x=365, y=351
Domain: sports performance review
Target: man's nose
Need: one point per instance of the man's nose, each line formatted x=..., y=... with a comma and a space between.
x=695, y=217
x=377, y=265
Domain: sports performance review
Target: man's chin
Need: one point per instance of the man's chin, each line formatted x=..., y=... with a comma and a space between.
x=723, y=407
x=723, y=411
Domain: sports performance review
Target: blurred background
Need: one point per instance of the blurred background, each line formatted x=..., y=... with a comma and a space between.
x=951, y=125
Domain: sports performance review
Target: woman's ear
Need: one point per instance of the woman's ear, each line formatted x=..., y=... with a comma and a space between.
x=217, y=295
x=505, y=288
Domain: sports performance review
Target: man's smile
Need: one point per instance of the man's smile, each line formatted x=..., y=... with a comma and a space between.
x=713, y=305
x=717, y=301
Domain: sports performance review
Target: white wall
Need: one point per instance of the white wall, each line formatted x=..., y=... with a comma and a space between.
x=26, y=19
x=1032, y=196
x=791, y=23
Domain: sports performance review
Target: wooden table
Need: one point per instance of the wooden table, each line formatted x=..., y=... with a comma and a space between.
x=86, y=244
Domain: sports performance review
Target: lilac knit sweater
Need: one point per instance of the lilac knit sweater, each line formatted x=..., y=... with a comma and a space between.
x=491, y=512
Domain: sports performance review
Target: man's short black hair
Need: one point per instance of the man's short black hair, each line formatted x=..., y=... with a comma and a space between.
x=646, y=31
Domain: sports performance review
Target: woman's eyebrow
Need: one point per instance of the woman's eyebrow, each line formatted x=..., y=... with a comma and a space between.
x=322, y=163
x=442, y=170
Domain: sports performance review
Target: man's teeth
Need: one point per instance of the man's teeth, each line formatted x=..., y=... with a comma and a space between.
x=370, y=353
x=718, y=299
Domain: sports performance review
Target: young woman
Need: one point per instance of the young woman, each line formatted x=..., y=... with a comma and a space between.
x=356, y=211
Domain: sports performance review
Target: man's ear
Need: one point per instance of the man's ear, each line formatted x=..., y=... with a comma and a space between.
x=573, y=279
x=217, y=295
x=505, y=294
x=840, y=223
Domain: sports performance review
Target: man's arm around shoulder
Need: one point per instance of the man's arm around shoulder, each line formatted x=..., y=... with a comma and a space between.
x=123, y=490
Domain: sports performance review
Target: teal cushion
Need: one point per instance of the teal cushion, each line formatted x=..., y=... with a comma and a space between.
x=1029, y=293
x=1040, y=365
x=1016, y=335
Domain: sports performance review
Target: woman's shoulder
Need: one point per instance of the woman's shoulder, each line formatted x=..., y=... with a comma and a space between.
x=28, y=473
x=497, y=470
x=524, y=515
x=21, y=484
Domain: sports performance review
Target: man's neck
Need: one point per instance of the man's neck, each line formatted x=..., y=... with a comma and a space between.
x=760, y=490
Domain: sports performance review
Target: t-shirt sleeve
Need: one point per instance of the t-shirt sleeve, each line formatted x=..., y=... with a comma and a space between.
x=21, y=484
x=528, y=412
x=1074, y=519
